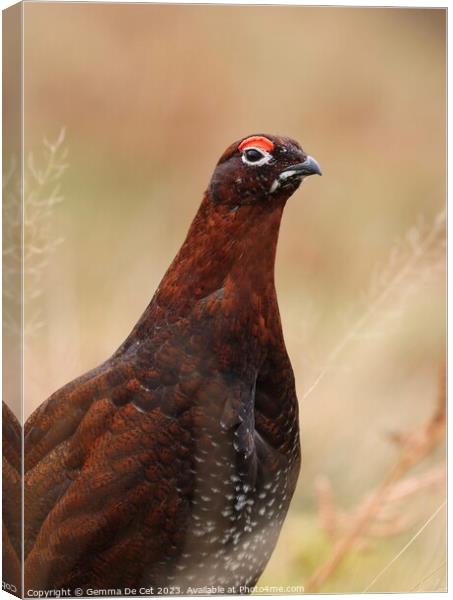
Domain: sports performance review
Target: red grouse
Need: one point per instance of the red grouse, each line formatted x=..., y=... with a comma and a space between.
x=172, y=465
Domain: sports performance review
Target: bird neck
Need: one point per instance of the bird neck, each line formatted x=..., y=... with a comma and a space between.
x=226, y=247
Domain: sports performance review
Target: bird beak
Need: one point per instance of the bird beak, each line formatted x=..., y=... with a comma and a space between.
x=303, y=169
x=296, y=173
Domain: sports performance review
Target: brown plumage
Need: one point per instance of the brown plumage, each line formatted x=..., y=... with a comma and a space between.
x=11, y=501
x=174, y=462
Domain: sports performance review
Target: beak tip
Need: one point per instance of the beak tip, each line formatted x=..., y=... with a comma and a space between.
x=313, y=166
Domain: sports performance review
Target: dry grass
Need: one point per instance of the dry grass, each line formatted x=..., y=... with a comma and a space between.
x=412, y=260
x=29, y=232
x=43, y=178
x=382, y=513
x=12, y=247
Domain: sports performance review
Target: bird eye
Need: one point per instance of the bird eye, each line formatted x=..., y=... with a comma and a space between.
x=253, y=155
x=256, y=157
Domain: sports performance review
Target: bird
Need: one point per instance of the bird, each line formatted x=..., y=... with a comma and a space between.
x=171, y=465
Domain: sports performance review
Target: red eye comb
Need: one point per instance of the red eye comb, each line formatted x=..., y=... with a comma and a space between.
x=257, y=141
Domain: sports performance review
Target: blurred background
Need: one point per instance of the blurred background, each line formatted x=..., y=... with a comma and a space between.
x=127, y=109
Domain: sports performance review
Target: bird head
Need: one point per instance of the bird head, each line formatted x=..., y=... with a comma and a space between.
x=260, y=168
